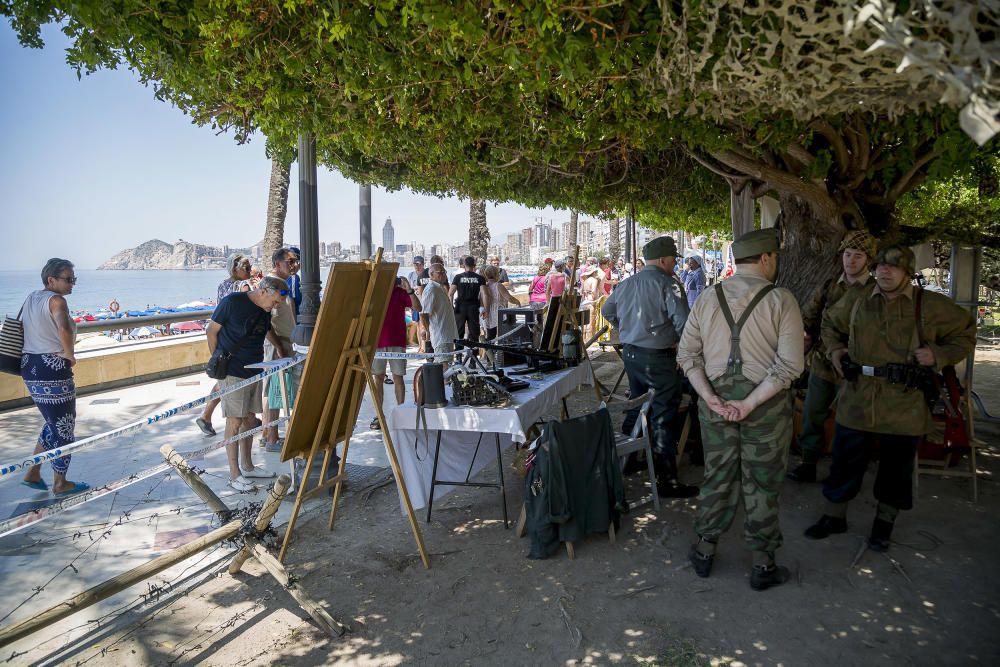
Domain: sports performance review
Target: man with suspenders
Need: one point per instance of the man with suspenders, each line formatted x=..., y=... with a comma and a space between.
x=742, y=348
x=886, y=341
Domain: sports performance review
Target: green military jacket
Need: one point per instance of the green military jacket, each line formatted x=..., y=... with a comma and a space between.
x=823, y=299
x=877, y=332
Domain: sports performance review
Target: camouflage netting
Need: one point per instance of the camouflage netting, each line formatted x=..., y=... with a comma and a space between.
x=720, y=57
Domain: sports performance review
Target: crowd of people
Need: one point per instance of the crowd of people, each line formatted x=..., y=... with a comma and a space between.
x=870, y=337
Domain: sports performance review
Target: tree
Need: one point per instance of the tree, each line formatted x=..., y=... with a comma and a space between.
x=574, y=229
x=838, y=110
x=277, y=208
x=614, y=243
x=479, y=233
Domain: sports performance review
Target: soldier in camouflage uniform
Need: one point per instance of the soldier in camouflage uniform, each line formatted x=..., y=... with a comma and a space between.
x=741, y=348
x=885, y=341
x=857, y=251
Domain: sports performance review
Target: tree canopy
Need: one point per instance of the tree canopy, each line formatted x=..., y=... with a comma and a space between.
x=845, y=106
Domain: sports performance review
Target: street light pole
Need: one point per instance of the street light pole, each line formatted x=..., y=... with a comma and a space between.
x=365, y=213
x=309, y=241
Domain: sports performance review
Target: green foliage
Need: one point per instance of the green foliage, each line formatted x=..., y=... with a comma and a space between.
x=545, y=103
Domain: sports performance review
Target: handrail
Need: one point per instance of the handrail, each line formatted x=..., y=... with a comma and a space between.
x=143, y=321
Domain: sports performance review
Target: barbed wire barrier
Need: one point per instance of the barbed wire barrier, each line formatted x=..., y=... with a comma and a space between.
x=247, y=533
x=154, y=418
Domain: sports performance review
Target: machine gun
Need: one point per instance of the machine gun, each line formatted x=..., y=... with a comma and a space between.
x=538, y=361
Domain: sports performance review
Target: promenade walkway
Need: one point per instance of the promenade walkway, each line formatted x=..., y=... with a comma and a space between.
x=77, y=549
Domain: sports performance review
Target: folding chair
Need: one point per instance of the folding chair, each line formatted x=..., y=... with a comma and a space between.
x=626, y=444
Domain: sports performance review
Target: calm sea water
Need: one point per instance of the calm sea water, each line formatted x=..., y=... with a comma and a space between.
x=134, y=290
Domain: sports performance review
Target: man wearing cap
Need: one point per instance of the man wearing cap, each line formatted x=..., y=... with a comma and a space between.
x=418, y=277
x=742, y=348
x=885, y=342
x=857, y=250
x=649, y=311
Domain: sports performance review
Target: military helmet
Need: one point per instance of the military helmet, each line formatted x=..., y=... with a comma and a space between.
x=859, y=239
x=900, y=256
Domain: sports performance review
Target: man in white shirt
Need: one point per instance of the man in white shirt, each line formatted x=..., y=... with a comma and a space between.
x=438, y=329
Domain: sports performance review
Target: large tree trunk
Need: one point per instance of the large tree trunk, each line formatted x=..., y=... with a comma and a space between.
x=479, y=233
x=741, y=208
x=808, y=249
x=614, y=243
x=277, y=207
x=574, y=219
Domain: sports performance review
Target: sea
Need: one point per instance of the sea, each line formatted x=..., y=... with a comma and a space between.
x=134, y=290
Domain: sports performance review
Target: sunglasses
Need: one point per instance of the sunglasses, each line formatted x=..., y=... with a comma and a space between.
x=71, y=280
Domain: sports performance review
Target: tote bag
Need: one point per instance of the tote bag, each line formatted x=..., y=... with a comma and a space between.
x=11, y=344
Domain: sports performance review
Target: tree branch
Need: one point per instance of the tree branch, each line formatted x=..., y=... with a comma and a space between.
x=840, y=153
x=780, y=180
x=712, y=168
x=902, y=185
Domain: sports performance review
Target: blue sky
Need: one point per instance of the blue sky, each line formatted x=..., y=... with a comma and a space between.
x=91, y=166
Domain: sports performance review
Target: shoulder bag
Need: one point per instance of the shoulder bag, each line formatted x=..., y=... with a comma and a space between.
x=12, y=344
x=217, y=367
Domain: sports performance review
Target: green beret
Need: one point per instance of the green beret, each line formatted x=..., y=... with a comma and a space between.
x=661, y=246
x=755, y=243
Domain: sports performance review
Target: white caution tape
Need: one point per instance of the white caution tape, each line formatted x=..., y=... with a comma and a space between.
x=416, y=355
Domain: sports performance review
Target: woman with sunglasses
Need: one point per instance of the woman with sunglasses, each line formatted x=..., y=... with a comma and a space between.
x=47, y=369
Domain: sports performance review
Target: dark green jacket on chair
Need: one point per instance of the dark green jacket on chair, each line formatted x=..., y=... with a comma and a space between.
x=575, y=486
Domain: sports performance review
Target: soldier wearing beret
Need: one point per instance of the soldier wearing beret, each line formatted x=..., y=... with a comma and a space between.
x=742, y=348
x=884, y=341
x=649, y=310
x=857, y=250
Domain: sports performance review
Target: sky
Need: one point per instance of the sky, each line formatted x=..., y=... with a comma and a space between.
x=91, y=166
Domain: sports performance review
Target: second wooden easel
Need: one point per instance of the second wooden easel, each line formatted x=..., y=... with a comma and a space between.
x=343, y=400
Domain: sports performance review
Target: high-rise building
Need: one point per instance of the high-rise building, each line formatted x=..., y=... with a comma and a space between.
x=335, y=248
x=388, y=236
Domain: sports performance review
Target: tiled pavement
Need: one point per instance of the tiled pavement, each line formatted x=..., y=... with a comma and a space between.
x=70, y=552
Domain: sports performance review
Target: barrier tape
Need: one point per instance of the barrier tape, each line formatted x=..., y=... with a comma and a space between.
x=454, y=353
x=30, y=518
x=60, y=452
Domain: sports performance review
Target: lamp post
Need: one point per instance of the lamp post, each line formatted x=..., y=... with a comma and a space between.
x=309, y=240
x=365, y=217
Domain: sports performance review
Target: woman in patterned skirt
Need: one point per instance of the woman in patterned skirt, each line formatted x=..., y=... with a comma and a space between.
x=47, y=370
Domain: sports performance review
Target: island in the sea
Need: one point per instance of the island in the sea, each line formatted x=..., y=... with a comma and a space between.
x=180, y=256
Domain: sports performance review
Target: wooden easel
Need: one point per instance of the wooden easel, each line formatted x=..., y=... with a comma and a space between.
x=340, y=410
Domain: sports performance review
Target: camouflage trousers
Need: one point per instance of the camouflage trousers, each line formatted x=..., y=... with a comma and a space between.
x=744, y=459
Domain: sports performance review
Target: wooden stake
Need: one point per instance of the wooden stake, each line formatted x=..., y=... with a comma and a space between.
x=277, y=570
x=117, y=584
x=267, y=512
x=192, y=479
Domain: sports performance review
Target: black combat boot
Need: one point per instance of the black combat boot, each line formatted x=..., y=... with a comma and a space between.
x=702, y=563
x=667, y=484
x=763, y=577
x=804, y=472
x=881, y=532
x=826, y=526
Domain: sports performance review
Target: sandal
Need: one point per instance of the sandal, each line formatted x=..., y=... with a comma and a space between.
x=78, y=487
x=39, y=485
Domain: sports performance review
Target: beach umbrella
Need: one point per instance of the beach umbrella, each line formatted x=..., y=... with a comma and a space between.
x=187, y=326
x=143, y=332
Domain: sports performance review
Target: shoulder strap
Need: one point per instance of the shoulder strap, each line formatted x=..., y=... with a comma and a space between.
x=735, y=363
x=918, y=301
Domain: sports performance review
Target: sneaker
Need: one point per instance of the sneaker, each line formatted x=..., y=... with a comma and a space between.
x=257, y=472
x=825, y=527
x=274, y=447
x=804, y=472
x=375, y=426
x=702, y=564
x=242, y=484
x=388, y=380
x=205, y=427
x=763, y=577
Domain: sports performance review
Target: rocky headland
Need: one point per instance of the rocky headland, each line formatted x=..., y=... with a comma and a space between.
x=182, y=255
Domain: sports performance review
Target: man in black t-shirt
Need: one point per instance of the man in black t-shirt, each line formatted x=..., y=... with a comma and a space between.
x=239, y=326
x=468, y=291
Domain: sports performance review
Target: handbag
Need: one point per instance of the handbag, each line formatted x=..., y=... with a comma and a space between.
x=217, y=367
x=11, y=344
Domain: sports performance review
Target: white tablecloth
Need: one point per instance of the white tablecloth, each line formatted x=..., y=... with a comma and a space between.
x=462, y=427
